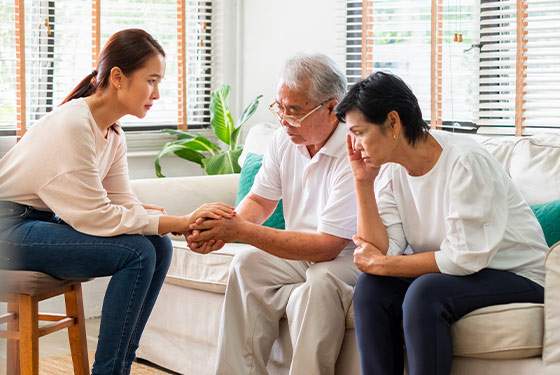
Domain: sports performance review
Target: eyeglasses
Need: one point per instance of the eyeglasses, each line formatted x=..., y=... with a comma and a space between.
x=292, y=120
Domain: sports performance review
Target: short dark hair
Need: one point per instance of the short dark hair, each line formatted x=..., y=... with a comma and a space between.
x=379, y=94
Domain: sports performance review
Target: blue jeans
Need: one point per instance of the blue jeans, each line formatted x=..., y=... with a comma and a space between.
x=424, y=309
x=39, y=241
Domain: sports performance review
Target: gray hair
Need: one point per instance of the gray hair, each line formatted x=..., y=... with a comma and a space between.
x=325, y=79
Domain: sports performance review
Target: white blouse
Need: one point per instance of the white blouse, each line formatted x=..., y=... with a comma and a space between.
x=465, y=208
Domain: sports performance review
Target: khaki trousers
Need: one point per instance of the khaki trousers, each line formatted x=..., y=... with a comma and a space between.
x=261, y=289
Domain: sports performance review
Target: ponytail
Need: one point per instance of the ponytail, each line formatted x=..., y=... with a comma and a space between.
x=86, y=87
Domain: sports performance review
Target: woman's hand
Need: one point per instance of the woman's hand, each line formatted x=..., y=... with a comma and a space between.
x=362, y=172
x=368, y=258
x=212, y=211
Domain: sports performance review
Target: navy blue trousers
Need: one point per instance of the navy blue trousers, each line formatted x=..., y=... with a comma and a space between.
x=392, y=312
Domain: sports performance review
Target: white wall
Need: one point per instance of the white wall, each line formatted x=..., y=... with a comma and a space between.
x=272, y=31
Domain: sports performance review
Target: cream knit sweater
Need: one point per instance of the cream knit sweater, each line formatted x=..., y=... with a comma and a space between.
x=66, y=165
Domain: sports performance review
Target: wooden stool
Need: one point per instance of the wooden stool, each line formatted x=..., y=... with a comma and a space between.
x=23, y=290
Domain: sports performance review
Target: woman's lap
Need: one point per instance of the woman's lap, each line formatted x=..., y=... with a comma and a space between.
x=61, y=251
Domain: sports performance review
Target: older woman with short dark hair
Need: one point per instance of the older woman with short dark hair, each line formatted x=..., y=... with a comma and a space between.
x=442, y=231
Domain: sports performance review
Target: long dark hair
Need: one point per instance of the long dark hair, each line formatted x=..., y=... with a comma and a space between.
x=127, y=49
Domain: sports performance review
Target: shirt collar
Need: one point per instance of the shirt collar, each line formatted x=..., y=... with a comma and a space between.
x=335, y=144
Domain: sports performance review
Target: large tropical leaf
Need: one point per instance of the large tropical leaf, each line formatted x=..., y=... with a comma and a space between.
x=179, y=150
x=198, y=143
x=223, y=163
x=220, y=116
x=249, y=111
x=179, y=133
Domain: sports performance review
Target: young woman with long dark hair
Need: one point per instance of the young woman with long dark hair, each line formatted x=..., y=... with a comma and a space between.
x=66, y=206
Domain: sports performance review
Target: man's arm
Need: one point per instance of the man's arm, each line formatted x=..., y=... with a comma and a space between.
x=314, y=247
x=252, y=212
x=255, y=208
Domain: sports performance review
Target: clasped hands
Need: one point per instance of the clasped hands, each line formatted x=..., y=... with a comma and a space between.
x=212, y=226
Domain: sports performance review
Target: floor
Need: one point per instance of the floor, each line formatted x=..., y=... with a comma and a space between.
x=56, y=344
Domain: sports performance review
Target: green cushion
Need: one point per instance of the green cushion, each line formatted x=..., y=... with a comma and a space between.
x=249, y=170
x=548, y=215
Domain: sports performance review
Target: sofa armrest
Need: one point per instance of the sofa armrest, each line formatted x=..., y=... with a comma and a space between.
x=551, y=346
x=181, y=195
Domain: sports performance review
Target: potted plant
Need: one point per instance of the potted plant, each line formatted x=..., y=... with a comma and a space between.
x=199, y=149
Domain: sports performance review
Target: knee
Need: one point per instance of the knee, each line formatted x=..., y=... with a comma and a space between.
x=368, y=290
x=422, y=302
x=246, y=261
x=142, y=253
x=163, y=249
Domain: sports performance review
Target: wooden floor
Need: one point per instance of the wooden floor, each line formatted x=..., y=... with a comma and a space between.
x=55, y=356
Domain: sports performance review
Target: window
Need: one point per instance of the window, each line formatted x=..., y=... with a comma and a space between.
x=59, y=42
x=7, y=65
x=485, y=61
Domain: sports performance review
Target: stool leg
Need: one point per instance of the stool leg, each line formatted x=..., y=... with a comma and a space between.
x=29, y=335
x=77, y=332
x=12, y=348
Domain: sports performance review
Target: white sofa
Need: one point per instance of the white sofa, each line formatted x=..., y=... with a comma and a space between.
x=508, y=339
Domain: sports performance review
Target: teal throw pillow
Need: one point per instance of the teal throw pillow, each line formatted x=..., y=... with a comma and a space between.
x=548, y=215
x=249, y=170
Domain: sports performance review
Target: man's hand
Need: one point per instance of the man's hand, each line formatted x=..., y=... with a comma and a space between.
x=226, y=230
x=204, y=247
x=368, y=258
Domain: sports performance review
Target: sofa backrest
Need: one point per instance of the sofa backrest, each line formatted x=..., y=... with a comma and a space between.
x=533, y=163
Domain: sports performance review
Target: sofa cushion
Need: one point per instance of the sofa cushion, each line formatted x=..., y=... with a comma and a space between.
x=249, y=170
x=207, y=272
x=257, y=139
x=534, y=168
x=548, y=215
x=500, y=332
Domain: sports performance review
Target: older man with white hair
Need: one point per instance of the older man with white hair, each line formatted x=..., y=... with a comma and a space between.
x=306, y=271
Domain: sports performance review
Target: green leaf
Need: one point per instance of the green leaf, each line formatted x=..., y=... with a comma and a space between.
x=223, y=163
x=249, y=111
x=234, y=138
x=220, y=116
x=179, y=150
x=199, y=143
x=179, y=133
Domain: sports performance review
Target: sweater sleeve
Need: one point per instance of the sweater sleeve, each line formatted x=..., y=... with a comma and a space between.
x=389, y=212
x=77, y=195
x=117, y=182
x=477, y=216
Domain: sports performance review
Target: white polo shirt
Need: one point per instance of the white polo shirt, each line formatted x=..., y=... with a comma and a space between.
x=317, y=192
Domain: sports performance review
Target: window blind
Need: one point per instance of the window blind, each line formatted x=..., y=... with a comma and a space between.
x=60, y=38
x=459, y=93
x=504, y=75
x=57, y=53
x=159, y=18
x=399, y=38
x=7, y=65
x=497, y=69
x=542, y=84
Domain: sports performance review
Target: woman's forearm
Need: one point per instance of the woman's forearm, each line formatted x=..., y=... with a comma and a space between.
x=173, y=224
x=370, y=225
